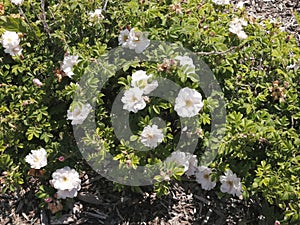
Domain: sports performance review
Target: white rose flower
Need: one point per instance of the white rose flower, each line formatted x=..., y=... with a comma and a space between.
x=10, y=41
x=97, y=14
x=231, y=184
x=17, y=2
x=63, y=194
x=140, y=80
x=37, y=158
x=203, y=178
x=188, y=102
x=242, y=35
x=65, y=180
x=123, y=38
x=193, y=163
x=240, y=5
x=14, y=51
x=151, y=136
x=79, y=114
x=133, y=100
x=186, y=60
x=185, y=159
x=180, y=159
x=68, y=63
x=138, y=41
x=221, y=2
x=236, y=27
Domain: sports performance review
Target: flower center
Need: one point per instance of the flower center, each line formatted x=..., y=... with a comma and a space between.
x=230, y=183
x=188, y=103
x=143, y=83
x=133, y=98
x=36, y=159
x=65, y=179
x=77, y=113
x=150, y=136
x=125, y=37
x=206, y=176
x=137, y=37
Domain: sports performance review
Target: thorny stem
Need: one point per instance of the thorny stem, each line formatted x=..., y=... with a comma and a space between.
x=27, y=21
x=43, y=18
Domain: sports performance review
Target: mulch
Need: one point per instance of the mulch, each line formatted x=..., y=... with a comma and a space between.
x=99, y=203
x=276, y=10
x=187, y=203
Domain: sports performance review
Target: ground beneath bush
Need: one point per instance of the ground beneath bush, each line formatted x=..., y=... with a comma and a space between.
x=280, y=10
x=97, y=203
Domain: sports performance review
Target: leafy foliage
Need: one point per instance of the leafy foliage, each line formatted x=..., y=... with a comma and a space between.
x=260, y=87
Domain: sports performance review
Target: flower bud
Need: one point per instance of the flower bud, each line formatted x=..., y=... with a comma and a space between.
x=61, y=158
x=37, y=82
x=47, y=200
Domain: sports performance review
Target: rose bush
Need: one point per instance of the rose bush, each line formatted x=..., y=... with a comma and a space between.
x=47, y=46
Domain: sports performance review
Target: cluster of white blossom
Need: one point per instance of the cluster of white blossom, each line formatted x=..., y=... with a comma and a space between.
x=79, y=113
x=134, y=39
x=17, y=2
x=236, y=27
x=68, y=63
x=97, y=14
x=240, y=5
x=230, y=183
x=11, y=43
x=221, y=2
x=134, y=98
x=67, y=182
x=151, y=136
x=185, y=159
x=186, y=61
x=188, y=101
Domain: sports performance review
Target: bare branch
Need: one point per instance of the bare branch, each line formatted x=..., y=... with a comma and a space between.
x=27, y=21
x=43, y=18
x=220, y=52
x=105, y=5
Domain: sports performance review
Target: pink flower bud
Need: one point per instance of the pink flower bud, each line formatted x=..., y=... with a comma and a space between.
x=277, y=222
x=48, y=200
x=4, y=173
x=61, y=158
x=37, y=82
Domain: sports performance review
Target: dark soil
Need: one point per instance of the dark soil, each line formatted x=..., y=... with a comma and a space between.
x=98, y=203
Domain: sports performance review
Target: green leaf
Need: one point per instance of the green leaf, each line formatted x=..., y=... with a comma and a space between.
x=13, y=24
x=29, y=137
x=297, y=16
x=134, y=137
x=156, y=109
